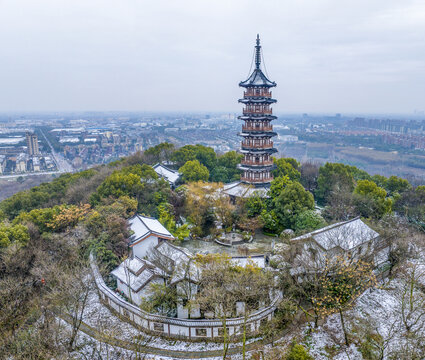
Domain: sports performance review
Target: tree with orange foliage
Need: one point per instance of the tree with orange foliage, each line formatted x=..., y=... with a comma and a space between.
x=68, y=216
x=342, y=281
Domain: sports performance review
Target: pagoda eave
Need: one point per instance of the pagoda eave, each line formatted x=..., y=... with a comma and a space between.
x=257, y=133
x=257, y=117
x=255, y=100
x=243, y=150
x=256, y=168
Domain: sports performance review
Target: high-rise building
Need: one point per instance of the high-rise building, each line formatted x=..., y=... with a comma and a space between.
x=257, y=130
x=32, y=144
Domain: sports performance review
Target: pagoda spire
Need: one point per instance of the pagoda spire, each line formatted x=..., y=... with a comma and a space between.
x=258, y=53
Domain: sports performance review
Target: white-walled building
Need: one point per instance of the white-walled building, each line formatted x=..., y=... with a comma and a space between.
x=134, y=275
x=147, y=234
x=348, y=238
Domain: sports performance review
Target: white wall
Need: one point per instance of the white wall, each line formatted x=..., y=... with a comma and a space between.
x=141, y=249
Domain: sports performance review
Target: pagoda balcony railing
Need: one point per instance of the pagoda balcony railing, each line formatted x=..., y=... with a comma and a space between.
x=257, y=128
x=257, y=181
x=258, y=146
x=259, y=112
x=257, y=163
x=257, y=94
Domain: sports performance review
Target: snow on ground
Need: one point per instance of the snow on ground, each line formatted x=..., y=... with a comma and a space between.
x=101, y=318
x=379, y=310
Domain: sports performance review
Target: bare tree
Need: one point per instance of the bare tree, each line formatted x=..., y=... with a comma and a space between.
x=216, y=295
x=309, y=174
x=411, y=299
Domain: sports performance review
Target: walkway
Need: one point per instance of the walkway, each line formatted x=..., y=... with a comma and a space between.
x=176, y=354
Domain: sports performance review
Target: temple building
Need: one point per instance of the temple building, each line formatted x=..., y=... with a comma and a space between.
x=257, y=132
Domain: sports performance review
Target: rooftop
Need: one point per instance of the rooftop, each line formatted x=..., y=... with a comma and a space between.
x=143, y=226
x=347, y=235
x=168, y=174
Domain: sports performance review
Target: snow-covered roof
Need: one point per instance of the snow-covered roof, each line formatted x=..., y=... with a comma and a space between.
x=168, y=174
x=184, y=267
x=240, y=189
x=136, y=273
x=143, y=226
x=175, y=253
x=257, y=78
x=258, y=261
x=347, y=235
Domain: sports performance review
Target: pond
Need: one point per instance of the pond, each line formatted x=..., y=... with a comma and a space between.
x=260, y=245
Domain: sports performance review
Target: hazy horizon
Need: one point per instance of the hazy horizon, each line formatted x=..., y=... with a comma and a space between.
x=327, y=57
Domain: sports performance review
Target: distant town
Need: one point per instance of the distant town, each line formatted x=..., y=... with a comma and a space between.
x=57, y=143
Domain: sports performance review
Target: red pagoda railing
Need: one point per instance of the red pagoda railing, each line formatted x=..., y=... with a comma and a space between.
x=261, y=93
x=254, y=128
x=252, y=146
x=249, y=162
x=256, y=181
x=264, y=111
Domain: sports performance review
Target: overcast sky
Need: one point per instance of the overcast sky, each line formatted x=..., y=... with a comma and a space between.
x=325, y=55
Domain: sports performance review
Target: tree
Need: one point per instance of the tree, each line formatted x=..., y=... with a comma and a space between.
x=308, y=220
x=309, y=174
x=218, y=279
x=166, y=218
x=159, y=153
x=292, y=200
x=250, y=287
x=333, y=176
x=411, y=204
x=270, y=221
x=380, y=180
x=411, y=299
x=370, y=200
x=224, y=210
x=395, y=184
x=193, y=170
x=10, y=234
x=129, y=181
x=358, y=174
x=342, y=280
x=68, y=216
x=254, y=205
x=198, y=209
x=298, y=352
x=277, y=185
x=287, y=167
x=340, y=206
x=161, y=298
x=226, y=169
x=71, y=295
x=205, y=155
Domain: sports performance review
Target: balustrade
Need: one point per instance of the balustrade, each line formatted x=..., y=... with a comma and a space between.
x=262, y=111
x=264, y=180
x=259, y=163
x=257, y=128
x=257, y=146
x=254, y=93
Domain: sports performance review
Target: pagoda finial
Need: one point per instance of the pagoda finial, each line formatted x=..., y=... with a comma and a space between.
x=257, y=53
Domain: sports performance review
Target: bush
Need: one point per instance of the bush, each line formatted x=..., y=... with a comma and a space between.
x=298, y=352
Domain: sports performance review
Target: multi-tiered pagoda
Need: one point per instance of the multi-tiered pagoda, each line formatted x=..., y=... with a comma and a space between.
x=257, y=130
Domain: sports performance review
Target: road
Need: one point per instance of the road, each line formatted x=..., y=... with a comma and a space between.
x=62, y=164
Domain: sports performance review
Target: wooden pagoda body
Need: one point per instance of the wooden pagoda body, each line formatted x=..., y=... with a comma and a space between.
x=257, y=130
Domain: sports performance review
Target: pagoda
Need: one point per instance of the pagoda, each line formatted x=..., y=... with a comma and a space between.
x=257, y=130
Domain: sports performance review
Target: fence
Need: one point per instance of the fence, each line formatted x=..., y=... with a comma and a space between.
x=191, y=329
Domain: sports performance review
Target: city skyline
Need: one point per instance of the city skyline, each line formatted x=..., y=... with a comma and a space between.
x=327, y=57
